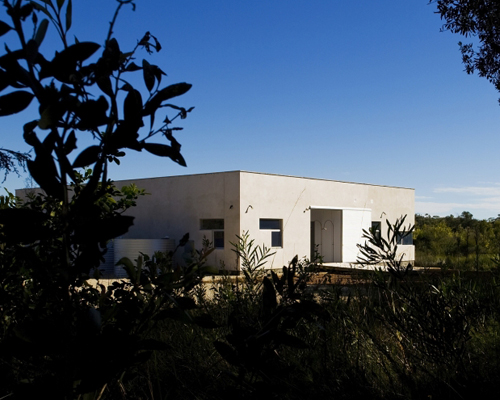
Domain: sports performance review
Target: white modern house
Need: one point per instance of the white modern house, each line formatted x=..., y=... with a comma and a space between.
x=291, y=215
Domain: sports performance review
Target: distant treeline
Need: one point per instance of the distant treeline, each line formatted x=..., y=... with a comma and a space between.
x=457, y=242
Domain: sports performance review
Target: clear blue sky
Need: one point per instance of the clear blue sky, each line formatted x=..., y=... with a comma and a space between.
x=362, y=91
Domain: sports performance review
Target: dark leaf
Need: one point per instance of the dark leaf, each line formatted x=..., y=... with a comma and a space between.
x=15, y=102
x=104, y=83
x=44, y=172
x=70, y=144
x=109, y=228
x=128, y=266
x=157, y=44
x=31, y=51
x=64, y=63
x=17, y=76
x=169, y=92
x=111, y=57
x=60, y=3
x=184, y=240
x=50, y=116
x=41, y=31
x=132, y=108
x=4, y=28
x=149, y=78
x=102, y=230
x=268, y=295
x=28, y=134
x=92, y=114
x=164, y=150
x=278, y=283
x=132, y=67
x=125, y=136
x=69, y=11
x=125, y=56
x=227, y=352
x=157, y=73
x=26, y=11
x=50, y=140
x=41, y=8
x=3, y=80
x=87, y=157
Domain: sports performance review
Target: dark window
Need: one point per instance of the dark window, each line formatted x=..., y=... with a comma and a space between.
x=219, y=239
x=210, y=224
x=273, y=225
x=376, y=229
x=276, y=239
x=217, y=228
x=270, y=224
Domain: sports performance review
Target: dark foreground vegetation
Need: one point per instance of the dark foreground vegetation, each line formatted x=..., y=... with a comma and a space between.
x=296, y=334
x=418, y=337
x=304, y=335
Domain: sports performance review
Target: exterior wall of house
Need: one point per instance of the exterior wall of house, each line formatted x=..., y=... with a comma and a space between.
x=330, y=212
x=299, y=201
x=177, y=204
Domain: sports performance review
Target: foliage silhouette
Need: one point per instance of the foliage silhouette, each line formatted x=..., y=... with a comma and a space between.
x=480, y=19
x=60, y=336
x=11, y=161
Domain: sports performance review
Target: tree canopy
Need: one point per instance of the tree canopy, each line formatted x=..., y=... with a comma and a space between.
x=479, y=19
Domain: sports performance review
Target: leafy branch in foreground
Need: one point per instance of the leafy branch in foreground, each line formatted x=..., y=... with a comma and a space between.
x=479, y=19
x=60, y=336
x=11, y=161
x=383, y=252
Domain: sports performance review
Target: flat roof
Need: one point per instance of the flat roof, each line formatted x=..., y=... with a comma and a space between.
x=268, y=174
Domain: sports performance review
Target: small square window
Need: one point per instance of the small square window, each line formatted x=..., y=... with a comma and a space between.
x=405, y=238
x=275, y=226
x=217, y=228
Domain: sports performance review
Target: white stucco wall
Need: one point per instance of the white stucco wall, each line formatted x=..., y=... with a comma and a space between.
x=290, y=198
x=176, y=205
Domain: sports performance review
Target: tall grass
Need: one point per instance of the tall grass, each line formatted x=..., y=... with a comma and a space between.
x=412, y=336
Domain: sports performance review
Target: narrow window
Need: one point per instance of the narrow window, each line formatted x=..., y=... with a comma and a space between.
x=275, y=226
x=219, y=239
x=376, y=229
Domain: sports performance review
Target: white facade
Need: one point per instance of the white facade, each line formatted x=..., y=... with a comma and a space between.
x=291, y=215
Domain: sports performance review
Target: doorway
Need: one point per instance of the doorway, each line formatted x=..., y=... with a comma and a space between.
x=326, y=235
x=323, y=239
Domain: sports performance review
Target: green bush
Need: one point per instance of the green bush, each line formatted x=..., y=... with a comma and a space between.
x=392, y=335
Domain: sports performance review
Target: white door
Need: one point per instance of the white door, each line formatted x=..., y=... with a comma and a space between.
x=353, y=223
